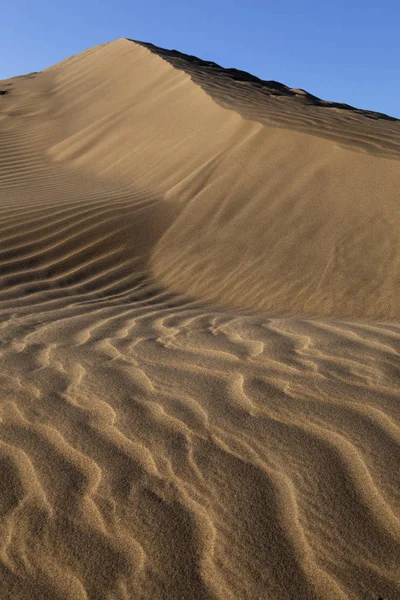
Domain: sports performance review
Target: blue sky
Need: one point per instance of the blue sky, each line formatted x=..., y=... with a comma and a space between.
x=345, y=51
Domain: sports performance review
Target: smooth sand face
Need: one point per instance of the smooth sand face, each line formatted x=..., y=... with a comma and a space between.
x=199, y=336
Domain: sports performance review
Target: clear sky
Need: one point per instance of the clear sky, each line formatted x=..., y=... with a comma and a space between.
x=342, y=50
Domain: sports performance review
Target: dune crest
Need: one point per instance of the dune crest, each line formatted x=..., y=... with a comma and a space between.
x=199, y=336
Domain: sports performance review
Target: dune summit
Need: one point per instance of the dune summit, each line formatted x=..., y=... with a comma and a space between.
x=199, y=336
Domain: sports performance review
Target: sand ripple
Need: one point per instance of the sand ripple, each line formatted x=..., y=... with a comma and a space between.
x=160, y=456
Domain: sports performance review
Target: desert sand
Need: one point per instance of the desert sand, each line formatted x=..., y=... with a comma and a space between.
x=199, y=336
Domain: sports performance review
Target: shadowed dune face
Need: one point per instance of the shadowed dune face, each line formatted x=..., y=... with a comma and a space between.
x=158, y=438
x=274, y=104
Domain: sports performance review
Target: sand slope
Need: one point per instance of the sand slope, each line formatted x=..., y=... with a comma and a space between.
x=199, y=336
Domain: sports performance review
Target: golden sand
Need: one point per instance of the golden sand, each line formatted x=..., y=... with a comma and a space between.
x=199, y=336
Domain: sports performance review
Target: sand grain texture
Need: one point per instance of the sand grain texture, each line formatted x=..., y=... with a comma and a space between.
x=199, y=336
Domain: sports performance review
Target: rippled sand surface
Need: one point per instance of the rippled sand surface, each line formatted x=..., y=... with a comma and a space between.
x=199, y=336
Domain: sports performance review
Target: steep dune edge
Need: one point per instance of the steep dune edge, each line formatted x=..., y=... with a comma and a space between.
x=273, y=103
x=154, y=444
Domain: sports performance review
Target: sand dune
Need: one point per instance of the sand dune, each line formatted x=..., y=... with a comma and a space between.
x=199, y=336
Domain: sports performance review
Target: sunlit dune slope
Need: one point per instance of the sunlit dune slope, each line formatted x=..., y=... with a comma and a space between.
x=199, y=336
x=235, y=209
